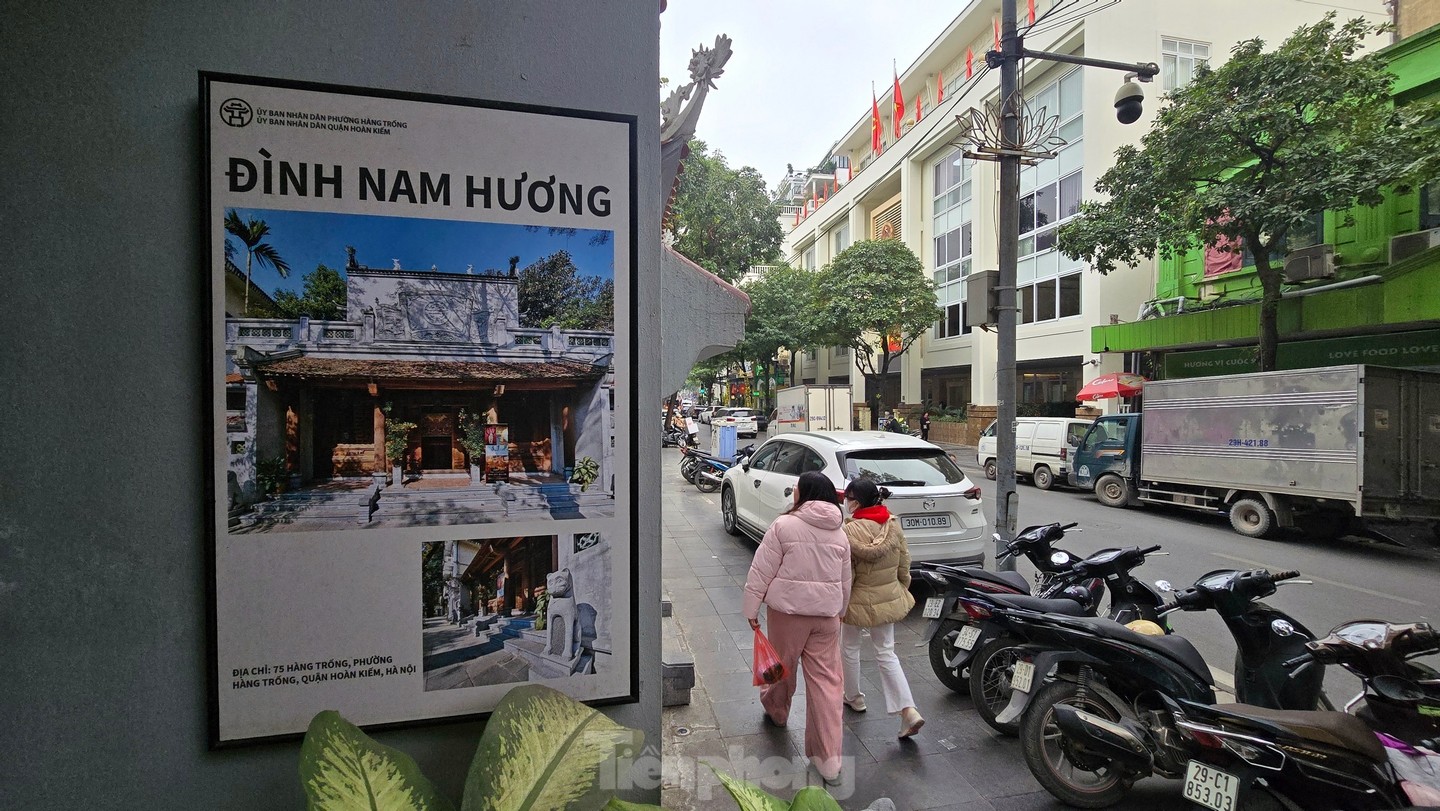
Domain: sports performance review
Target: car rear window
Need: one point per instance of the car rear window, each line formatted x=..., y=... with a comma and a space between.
x=740, y=412
x=906, y=467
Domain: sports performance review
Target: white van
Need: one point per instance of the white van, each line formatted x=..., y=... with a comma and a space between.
x=1042, y=448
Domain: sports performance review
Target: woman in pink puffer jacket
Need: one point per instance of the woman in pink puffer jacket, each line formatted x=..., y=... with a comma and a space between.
x=802, y=573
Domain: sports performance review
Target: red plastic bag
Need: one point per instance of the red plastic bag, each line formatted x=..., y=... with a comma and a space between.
x=767, y=669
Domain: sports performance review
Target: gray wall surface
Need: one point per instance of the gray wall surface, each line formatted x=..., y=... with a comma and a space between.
x=103, y=627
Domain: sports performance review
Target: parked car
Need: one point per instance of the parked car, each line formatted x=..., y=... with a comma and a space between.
x=704, y=413
x=1042, y=448
x=744, y=419
x=938, y=506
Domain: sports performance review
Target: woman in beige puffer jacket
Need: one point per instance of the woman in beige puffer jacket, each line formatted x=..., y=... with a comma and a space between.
x=879, y=598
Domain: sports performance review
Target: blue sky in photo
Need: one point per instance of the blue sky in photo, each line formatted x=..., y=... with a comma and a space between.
x=305, y=239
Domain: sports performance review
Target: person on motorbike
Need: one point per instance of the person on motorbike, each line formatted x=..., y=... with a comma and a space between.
x=879, y=598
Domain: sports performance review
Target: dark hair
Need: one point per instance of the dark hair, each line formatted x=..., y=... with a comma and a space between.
x=866, y=492
x=815, y=486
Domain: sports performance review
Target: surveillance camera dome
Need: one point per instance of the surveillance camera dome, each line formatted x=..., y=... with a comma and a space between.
x=1128, y=102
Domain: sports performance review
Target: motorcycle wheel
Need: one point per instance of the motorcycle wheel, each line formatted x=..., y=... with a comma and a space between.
x=942, y=647
x=705, y=485
x=990, y=691
x=688, y=468
x=1075, y=778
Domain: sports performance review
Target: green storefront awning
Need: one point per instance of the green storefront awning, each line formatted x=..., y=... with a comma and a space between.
x=1410, y=349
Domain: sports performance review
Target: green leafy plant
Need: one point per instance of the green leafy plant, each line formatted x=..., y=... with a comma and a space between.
x=587, y=470
x=751, y=798
x=270, y=474
x=542, y=604
x=397, y=437
x=472, y=436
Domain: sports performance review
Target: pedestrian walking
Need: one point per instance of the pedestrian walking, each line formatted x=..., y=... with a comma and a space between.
x=879, y=598
x=925, y=426
x=801, y=572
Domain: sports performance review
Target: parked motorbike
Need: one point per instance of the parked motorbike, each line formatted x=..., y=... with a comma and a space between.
x=1089, y=730
x=691, y=457
x=1244, y=756
x=674, y=437
x=711, y=469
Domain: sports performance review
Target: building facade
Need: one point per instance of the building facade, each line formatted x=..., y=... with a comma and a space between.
x=921, y=188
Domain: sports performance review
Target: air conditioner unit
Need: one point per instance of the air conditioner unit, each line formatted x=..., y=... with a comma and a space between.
x=1314, y=262
x=980, y=295
x=1404, y=246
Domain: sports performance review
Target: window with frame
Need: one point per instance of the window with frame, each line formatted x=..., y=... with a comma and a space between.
x=810, y=258
x=842, y=238
x=953, y=225
x=1048, y=283
x=1179, y=59
x=1430, y=205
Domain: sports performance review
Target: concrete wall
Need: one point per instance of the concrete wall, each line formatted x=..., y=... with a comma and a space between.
x=1418, y=15
x=103, y=583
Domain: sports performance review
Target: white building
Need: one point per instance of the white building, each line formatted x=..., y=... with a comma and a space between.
x=921, y=188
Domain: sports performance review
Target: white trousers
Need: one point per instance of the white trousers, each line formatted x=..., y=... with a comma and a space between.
x=892, y=678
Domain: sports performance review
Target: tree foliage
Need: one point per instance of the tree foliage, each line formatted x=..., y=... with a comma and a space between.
x=1252, y=150
x=252, y=234
x=876, y=299
x=723, y=219
x=554, y=293
x=323, y=297
x=782, y=305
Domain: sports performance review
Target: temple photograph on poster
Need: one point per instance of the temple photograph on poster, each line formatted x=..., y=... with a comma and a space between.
x=506, y=610
x=386, y=372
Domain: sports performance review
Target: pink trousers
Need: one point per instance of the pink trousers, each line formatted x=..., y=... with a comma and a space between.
x=813, y=642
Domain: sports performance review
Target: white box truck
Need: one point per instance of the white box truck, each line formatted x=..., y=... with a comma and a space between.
x=811, y=408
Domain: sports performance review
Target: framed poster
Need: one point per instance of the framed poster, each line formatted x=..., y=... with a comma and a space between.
x=421, y=317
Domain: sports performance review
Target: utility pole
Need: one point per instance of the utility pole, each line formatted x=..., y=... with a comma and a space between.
x=1011, y=153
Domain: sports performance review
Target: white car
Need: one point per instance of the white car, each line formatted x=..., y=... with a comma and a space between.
x=938, y=506
x=744, y=419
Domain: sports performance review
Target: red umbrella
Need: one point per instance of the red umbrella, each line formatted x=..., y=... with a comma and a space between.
x=1112, y=385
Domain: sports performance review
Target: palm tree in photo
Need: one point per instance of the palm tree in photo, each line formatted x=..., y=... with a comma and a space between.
x=252, y=233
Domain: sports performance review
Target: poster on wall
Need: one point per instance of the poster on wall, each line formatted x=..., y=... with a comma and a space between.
x=421, y=325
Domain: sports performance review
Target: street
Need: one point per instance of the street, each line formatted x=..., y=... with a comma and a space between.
x=1352, y=579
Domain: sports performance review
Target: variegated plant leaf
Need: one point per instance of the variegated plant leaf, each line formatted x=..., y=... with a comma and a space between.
x=342, y=769
x=543, y=750
x=813, y=798
x=620, y=805
x=749, y=796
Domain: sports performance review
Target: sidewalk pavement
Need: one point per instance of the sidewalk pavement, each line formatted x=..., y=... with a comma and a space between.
x=956, y=762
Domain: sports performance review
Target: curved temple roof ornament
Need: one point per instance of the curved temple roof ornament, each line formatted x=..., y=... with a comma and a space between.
x=678, y=118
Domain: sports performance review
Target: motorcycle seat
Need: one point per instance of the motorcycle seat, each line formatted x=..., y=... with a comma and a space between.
x=1010, y=580
x=1176, y=647
x=1328, y=727
x=1051, y=605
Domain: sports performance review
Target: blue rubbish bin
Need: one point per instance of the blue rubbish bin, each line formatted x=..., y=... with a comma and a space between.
x=725, y=442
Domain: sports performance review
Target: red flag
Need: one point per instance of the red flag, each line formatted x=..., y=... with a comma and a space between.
x=899, y=106
x=874, y=122
x=969, y=63
x=797, y=216
x=917, y=110
x=1032, y=11
x=849, y=173
x=997, y=33
x=939, y=88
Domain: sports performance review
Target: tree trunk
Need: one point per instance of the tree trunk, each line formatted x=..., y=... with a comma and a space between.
x=1270, y=280
x=248, y=258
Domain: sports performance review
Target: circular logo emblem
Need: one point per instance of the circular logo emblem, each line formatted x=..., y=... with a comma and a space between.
x=236, y=112
x=927, y=504
x=887, y=230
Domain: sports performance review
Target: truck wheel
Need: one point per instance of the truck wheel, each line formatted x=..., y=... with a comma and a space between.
x=1252, y=518
x=1112, y=491
x=1043, y=478
x=990, y=469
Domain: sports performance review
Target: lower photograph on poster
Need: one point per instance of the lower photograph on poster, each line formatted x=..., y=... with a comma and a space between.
x=510, y=610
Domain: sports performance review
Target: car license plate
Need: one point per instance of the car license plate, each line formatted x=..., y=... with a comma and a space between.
x=967, y=637
x=925, y=522
x=1023, y=676
x=1210, y=787
x=932, y=608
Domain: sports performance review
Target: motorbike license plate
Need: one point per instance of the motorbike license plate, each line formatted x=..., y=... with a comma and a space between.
x=1210, y=787
x=1023, y=676
x=932, y=608
x=925, y=522
x=967, y=637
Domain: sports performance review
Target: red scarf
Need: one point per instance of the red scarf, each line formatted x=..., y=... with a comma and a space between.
x=877, y=513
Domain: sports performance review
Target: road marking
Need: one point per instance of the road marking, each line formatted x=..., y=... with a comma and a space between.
x=1327, y=582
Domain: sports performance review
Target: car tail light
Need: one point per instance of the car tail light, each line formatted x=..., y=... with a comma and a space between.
x=1064, y=454
x=975, y=610
x=973, y=494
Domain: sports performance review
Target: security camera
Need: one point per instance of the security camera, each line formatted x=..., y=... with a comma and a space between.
x=1129, y=100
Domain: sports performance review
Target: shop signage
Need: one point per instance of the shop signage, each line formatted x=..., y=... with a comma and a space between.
x=1406, y=349
x=395, y=422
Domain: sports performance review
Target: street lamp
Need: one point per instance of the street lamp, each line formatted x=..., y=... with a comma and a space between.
x=1010, y=151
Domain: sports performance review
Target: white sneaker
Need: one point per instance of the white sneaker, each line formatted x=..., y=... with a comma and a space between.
x=910, y=722
x=857, y=703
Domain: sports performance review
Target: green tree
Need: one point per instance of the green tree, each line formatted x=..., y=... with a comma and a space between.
x=876, y=299
x=782, y=301
x=323, y=298
x=553, y=293
x=1251, y=151
x=723, y=219
x=252, y=234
